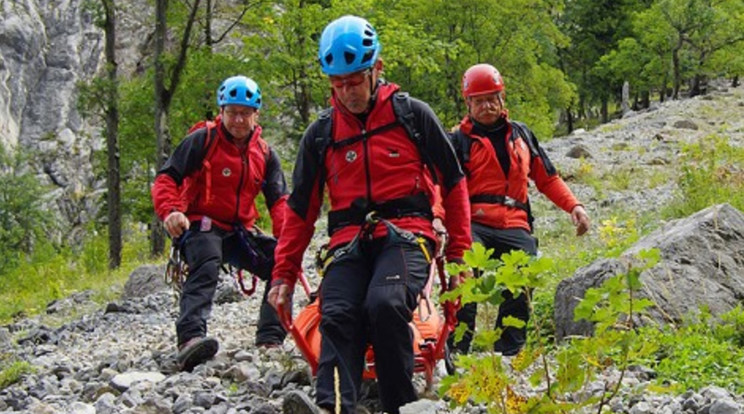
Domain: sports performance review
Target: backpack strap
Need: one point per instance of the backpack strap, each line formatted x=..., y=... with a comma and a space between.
x=462, y=148
x=210, y=147
x=404, y=115
x=520, y=130
x=324, y=131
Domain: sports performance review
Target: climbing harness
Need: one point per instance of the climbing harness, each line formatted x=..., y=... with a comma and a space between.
x=177, y=270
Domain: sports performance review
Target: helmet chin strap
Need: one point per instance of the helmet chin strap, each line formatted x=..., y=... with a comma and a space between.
x=373, y=88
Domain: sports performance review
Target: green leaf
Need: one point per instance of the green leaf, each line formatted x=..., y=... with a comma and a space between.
x=510, y=321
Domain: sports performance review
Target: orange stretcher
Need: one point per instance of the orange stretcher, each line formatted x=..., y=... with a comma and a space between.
x=430, y=330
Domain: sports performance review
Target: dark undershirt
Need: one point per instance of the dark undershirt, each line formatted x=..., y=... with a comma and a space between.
x=497, y=135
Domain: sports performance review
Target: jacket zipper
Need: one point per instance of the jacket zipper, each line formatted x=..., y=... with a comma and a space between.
x=243, y=166
x=365, y=140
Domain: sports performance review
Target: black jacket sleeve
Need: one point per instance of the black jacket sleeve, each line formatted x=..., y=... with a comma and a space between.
x=436, y=144
x=275, y=185
x=187, y=157
x=307, y=180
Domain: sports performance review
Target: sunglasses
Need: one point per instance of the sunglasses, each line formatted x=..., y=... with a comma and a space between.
x=353, y=79
x=231, y=113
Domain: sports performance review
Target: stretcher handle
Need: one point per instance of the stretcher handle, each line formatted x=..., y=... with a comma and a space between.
x=286, y=319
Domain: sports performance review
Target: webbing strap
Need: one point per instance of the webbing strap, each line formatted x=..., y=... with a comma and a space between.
x=414, y=205
x=499, y=199
x=359, y=137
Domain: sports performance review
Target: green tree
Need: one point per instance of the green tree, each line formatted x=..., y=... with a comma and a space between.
x=281, y=52
x=169, y=65
x=113, y=178
x=23, y=221
x=721, y=33
x=428, y=46
x=681, y=19
x=100, y=97
x=594, y=29
x=167, y=78
x=631, y=61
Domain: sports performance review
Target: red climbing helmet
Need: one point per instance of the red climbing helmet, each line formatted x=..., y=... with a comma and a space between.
x=481, y=79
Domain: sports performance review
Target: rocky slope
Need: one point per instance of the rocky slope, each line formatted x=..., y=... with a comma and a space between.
x=119, y=357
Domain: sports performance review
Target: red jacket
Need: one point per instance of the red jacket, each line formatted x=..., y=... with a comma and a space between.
x=486, y=177
x=224, y=186
x=385, y=166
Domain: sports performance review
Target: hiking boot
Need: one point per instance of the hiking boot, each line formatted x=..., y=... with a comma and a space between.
x=297, y=402
x=268, y=344
x=196, y=351
x=508, y=352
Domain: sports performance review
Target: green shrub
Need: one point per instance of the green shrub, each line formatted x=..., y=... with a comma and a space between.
x=711, y=174
x=12, y=373
x=51, y=274
x=701, y=353
x=562, y=385
x=24, y=225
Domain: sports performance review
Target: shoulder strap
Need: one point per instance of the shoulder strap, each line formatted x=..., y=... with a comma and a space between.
x=405, y=116
x=520, y=130
x=208, y=143
x=208, y=151
x=462, y=147
x=324, y=129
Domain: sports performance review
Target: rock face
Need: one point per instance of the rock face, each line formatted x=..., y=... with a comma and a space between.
x=46, y=48
x=702, y=264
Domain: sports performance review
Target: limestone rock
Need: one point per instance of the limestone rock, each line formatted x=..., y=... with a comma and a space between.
x=702, y=264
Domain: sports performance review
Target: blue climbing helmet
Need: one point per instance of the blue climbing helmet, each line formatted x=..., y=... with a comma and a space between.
x=348, y=44
x=239, y=90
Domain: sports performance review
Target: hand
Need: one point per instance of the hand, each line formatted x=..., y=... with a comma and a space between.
x=176, y=223
x=441, y=233
x=280, y=298
x=580, y=219
x=456, y=280
x=438, y=226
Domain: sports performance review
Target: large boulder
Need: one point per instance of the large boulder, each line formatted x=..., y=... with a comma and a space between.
x=702, y=264
x=145, y=280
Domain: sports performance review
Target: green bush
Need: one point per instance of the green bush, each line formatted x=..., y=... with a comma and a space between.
x=701, y=353
x=51, y=274
x=24, y=226
x=711, y=174
x=13, y=372
x=560, y=384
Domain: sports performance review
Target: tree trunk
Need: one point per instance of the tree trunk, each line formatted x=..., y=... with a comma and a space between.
x=162, y=138
x=695, y=86
x=677, y=75
x=605, y=110
x=208, y=26
x=569, y=121
x=162, y=150
x=164, y=97
x=113, y=183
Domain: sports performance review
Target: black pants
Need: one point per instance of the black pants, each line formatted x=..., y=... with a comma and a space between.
x=368, y=295
x=204, y=253
x=512, y=339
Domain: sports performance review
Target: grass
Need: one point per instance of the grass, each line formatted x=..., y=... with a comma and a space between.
x=711, y=173
x=701, y=352
x=11, y=372
x=52, y=274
